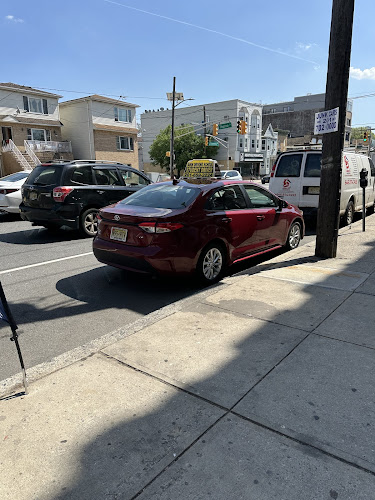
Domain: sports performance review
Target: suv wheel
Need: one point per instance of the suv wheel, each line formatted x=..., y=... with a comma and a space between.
x=89, y=222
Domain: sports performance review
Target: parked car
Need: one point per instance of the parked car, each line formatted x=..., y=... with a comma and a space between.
x=180, y=227
x=158, y=177
x=231, y=175
x=10, y=191
x=71, y=193
x=295, y=177
x=265, y=179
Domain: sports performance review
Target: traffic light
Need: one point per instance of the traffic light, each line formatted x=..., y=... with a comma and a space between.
x=215, y=129
x=243, y=127
x=365, y=136
x=206, y=141
x=363, y=174
x=238, y=126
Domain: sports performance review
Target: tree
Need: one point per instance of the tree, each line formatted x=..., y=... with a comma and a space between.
x=187, y=146
x=357, y=132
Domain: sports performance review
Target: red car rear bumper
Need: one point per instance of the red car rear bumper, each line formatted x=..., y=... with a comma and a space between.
x=149, y=260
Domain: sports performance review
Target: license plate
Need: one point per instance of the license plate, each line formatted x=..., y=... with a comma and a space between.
x=118, y=234
x=33, y=195
x=313, y=190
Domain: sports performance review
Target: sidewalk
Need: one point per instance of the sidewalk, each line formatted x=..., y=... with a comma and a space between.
x=260, y=388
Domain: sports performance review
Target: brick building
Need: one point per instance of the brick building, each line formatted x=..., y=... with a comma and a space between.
x=101, y=128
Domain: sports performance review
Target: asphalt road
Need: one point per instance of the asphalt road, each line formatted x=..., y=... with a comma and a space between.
x=61, y=297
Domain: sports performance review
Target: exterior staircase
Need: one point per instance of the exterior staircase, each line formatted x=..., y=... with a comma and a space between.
x=26, y=160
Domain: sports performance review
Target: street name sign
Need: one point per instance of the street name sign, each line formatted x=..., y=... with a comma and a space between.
x=225, y=125
x=326, y=121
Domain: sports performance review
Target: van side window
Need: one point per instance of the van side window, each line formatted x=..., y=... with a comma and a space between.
x=289, y=166
x=372, y=167
x=313, y=164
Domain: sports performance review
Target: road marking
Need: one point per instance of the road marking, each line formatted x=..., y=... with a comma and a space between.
x=44, y=263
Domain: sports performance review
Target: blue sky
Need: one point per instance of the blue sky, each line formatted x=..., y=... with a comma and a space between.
x=253, y=50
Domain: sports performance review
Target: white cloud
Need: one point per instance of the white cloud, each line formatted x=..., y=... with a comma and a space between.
x=366, y=74
x=304, y=46
x=14, y=19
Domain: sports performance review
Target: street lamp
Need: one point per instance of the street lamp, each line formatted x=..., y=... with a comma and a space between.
x=174, y=96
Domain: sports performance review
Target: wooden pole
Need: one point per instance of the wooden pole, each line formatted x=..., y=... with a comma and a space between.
x=333, y=143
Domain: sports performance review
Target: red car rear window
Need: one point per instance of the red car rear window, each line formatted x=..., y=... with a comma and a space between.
x=163, y=196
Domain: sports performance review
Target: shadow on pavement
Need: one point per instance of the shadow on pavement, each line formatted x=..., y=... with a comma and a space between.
x=187, y=446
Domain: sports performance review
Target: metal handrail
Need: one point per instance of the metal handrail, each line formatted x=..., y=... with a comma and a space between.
x=31, y=153
x=11, y=147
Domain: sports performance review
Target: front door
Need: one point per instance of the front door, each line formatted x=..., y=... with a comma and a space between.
x=229, y=217
x=271, y=228
x=7, y=134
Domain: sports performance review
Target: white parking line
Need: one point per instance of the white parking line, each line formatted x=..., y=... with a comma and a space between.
x=44, y=263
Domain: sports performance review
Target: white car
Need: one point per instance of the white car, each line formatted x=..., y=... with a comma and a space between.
x=10, y=191
x=231, y=175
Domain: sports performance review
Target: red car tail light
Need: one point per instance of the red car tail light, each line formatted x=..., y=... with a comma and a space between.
x=161, y=227
x=273, y=170
x=61, y=192
x=7, y=191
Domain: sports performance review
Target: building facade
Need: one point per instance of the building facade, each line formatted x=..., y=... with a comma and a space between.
x=236, y=151
x=297, y=118
x=269, y=148
x=30, y=128
x=101, y=128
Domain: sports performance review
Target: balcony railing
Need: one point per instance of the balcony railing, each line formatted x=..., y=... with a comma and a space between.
x=55, y=146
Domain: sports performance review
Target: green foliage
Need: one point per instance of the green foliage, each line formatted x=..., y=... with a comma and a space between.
x=187, y=146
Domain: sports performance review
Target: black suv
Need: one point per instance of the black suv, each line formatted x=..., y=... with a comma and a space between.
x=71, y=193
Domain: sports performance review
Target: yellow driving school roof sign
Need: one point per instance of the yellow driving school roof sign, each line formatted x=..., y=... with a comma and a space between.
x=199, y=169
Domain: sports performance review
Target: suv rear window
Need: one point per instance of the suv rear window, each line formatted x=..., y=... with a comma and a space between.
x=289, y=166
x=163, y=196
x=312, y=167
x=45, y=176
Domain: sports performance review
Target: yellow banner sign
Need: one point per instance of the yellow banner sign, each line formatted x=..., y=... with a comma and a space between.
x=199, y=169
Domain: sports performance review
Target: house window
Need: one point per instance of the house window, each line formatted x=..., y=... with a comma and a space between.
x=347, y=136
x=240, y=142
x=34, y=105
x=123, y=115
x=246, y=143
x=125, y=143
x=348, y=122
x=286, y=108
x=38, y=134
x=257, y=143
x=263, y=144
x=253, y=143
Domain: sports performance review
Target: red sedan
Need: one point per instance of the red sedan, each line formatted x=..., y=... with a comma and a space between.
x=184, y=227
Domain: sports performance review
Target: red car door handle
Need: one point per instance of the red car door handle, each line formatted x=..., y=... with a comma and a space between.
x=261, y=217
x=226, y=219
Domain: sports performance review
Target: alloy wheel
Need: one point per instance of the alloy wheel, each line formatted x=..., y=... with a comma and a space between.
x=212, y=264
x=294, y=236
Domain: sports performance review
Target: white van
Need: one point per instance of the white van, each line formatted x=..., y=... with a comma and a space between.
x=295, y=177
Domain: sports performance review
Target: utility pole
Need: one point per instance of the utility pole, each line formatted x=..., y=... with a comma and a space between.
x=333, y=143
x=205, y=129
x=172, y=130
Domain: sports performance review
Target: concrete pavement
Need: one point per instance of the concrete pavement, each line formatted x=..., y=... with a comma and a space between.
x=259, y=388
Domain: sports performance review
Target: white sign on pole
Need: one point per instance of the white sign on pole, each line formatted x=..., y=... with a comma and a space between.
x=326, y=121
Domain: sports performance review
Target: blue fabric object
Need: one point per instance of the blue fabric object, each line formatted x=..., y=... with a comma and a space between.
x=3, y=315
